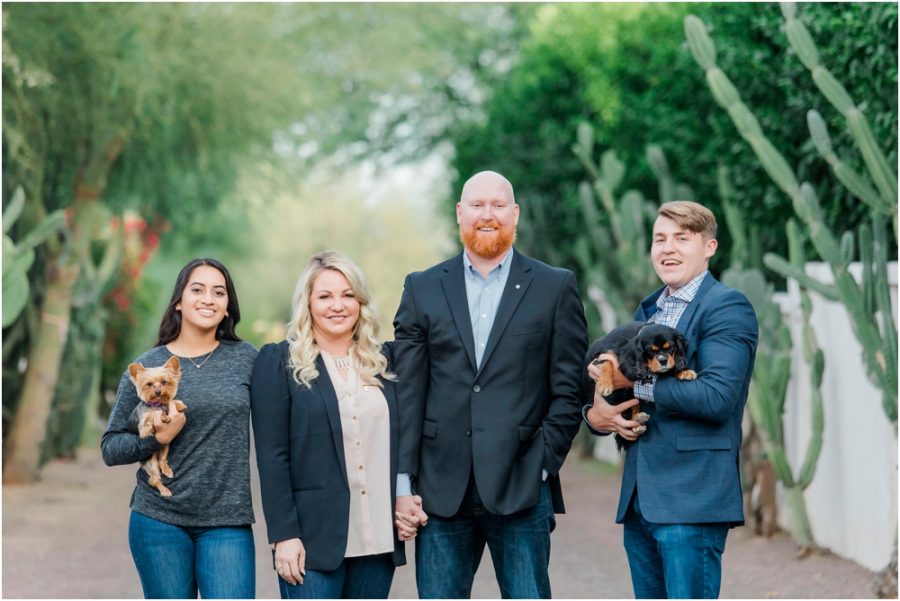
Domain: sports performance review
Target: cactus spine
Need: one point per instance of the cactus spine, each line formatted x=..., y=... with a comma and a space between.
x=871, y=318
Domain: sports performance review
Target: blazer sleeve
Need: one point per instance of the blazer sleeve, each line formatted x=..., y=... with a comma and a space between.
x=411, y=364
x=270, y=407
x=727, y=342
x=568, y=344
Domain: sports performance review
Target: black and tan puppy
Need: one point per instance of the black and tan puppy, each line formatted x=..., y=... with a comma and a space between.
x=642, y=349
x=156, y=387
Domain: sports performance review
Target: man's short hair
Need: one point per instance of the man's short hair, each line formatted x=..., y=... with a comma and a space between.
x=691, y=216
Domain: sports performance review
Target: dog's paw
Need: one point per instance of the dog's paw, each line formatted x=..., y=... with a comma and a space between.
x=687, y=374
x=639, y=429
x=641, y=418
x=165, y=492
x=166, y=471
x=179, y=406
x=605, y=388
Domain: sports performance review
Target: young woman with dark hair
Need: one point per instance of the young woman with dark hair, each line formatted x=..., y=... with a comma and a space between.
x=199, y=539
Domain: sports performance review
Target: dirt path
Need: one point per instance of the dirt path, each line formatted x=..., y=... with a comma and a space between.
x=66, y=537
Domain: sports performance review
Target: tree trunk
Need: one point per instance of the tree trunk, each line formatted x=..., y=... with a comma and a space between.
x=29, y=429
x=26, y=440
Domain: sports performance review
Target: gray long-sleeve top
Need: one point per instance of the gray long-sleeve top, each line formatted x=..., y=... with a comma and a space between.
x=210, y=457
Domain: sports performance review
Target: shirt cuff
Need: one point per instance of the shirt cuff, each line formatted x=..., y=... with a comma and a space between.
x=644, y=390
x=404, y=485
x=584, y=411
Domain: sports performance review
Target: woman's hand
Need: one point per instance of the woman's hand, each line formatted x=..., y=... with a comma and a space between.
x=166, y=432
x=410, y=517
x=290, y=560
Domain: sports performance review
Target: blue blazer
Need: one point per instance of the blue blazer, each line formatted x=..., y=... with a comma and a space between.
x=300, y=455
x=685, y=466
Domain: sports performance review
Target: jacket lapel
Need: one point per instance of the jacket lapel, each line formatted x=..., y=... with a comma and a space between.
x=684, y=322
x=516, y=286
x=325, y=389
x=454, y=284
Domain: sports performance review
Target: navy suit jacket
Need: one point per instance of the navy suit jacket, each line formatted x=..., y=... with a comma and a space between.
x=506, y=420
x=300, y=455
x=685, y=466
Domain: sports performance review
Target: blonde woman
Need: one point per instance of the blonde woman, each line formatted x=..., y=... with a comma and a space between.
x=324, y=409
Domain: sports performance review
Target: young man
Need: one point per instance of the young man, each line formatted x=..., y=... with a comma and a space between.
x=488, y=350
x=681, y=489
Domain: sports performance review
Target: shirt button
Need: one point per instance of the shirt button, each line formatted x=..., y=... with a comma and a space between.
x=476, y=388
x=362, y=492
x=482, y=344
x=360, y=467
x=358, y=443
x=354, y=417
x=468, y=433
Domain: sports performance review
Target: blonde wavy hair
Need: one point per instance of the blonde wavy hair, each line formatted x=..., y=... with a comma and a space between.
x=301, y=341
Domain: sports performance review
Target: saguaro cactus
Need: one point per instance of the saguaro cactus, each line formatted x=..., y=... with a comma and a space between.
x=771, y=373
x=614, y=255
x=869, y=303
x=885, y=201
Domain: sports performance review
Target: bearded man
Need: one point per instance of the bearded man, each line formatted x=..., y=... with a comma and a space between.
x=489, y=348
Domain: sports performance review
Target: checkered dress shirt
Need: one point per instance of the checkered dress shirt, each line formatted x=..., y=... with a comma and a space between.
x=669, y=309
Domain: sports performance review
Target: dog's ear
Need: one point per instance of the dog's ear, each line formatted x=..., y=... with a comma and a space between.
x=133, y=370
x=636, y=360
x=680, y=353
x=174, y=364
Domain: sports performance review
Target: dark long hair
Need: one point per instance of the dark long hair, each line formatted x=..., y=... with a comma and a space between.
x=170, y=327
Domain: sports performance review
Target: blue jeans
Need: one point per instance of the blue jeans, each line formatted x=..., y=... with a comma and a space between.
x=674, y=561
x=366, y=577
x=449, y=550
x=174, y=562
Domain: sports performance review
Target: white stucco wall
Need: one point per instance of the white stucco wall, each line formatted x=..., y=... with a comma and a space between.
x=852, y=501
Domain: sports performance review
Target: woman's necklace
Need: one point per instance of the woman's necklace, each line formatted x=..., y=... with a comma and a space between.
x=344, y=362
x=202, y=363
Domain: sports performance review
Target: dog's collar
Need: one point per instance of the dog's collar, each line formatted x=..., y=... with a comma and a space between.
x=157, y=404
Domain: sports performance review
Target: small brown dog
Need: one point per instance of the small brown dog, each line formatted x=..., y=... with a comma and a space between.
x=156, y=387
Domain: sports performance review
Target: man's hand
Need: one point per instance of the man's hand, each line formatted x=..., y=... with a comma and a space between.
x=608, y=418
x=410, y=516
x=619, y=381
x=290, y=560
x=167, y=431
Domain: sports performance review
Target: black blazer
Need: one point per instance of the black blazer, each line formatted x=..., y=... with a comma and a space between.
x=511, y=418
x=300, y=455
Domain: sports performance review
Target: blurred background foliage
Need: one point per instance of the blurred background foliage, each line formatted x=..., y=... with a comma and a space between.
x=627, y=71
x=261, y=133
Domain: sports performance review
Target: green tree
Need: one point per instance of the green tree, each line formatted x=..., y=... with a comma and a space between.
x=627, y=71
x=158, y=107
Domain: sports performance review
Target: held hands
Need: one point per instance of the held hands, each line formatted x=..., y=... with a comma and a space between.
x=167, y=431
x=290, y=560
x=608, y=418
x=410, y=516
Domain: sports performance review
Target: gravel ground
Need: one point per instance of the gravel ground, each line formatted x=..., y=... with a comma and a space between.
x=66, y=537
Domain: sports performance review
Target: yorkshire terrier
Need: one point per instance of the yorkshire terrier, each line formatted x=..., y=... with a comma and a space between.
x=156, y=387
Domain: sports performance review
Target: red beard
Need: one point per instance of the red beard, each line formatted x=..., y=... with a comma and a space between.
x=488, y=246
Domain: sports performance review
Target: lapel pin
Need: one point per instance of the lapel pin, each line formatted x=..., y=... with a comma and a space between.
x=518, y=286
